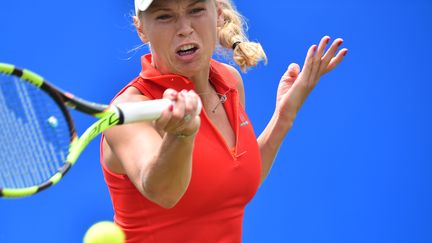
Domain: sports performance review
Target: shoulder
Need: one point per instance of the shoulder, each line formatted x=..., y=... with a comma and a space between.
x=234, y=72
x=131, y=94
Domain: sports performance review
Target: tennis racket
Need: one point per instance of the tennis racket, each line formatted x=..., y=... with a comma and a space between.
x=38, y=141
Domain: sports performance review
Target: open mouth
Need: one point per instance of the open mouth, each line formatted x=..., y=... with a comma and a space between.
x=187, y=50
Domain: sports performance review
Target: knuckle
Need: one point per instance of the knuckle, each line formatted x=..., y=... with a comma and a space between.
x=169, y=91
x=176, y=116
x=180, y=114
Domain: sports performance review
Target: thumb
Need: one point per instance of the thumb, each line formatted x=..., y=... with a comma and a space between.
x=293, y=70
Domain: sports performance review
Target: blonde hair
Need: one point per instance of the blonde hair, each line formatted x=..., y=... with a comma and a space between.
x=232, y=36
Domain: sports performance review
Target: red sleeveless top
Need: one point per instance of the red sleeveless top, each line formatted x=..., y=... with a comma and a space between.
x=223, y=179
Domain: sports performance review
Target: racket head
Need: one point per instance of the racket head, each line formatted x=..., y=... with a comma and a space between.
x=36, y=131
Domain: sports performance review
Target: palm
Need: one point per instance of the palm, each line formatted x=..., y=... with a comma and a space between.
x=295, y=86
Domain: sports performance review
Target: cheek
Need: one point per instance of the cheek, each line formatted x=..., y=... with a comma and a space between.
x=153, y=32
x=209, y=33
x=160, y=44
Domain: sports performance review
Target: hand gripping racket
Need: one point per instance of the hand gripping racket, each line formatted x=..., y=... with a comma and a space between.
x=38, y=141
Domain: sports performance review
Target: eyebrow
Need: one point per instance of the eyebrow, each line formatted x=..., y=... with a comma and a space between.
x=196, y=1
x=157, y=6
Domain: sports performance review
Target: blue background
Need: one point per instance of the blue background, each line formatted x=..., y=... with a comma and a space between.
x=356, y=166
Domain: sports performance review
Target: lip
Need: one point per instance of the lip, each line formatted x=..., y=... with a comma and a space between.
x=190, y=57
x=177, y=49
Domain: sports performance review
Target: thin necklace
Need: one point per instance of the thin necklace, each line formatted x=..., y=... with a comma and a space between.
x=222, y=99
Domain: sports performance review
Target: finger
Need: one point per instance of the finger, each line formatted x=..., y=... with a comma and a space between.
x=317, y=60
x=170, y=94
x=189, y=120
x=291, y=73
x=195, y=100
x=199, y=105
x=293, y=70
x=322, y=45
x=166, y=115
x=330, y=54
x=179, y=110
x=307, y=67
x=164, y=119
x=336, y=60
x=190, y=104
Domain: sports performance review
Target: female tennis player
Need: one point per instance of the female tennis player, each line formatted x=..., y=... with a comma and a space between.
x=188, y=176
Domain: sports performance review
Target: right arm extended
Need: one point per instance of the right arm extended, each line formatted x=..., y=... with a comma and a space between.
x=156, y=156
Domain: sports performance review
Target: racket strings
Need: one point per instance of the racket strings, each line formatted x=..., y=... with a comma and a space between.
x=34, y=135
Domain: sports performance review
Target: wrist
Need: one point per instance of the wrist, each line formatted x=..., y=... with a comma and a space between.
x=180, y=136
x=284, y=122
x=273, y=135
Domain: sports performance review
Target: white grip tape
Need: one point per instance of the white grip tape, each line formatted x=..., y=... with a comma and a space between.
x=146, y=110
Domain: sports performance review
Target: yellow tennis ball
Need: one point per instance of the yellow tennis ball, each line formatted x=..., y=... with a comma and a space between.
x=104, y=232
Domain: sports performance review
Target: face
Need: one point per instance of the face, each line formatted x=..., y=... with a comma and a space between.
x=182, y=34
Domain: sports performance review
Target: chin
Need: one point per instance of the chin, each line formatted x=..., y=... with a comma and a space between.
x=193, y=67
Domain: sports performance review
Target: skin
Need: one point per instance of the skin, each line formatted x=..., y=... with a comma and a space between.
x=294, y=87
x=151, y=154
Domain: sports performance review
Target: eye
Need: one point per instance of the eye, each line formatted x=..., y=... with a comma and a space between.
x=164, y=17
x=196, y=11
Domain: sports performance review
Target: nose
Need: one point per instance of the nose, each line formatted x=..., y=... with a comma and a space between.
x=184, y=26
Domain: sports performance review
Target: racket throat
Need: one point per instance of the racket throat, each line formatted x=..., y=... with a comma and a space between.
x=113, y=116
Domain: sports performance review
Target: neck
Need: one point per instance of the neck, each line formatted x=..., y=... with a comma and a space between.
x=200, y=78
x=203, y=87
x=201, y=81
x=210, y=99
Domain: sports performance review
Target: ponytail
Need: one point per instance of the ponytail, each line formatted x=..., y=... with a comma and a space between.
x=232, y=36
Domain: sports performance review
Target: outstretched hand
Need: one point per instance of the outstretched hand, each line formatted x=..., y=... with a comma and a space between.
x=295, y=86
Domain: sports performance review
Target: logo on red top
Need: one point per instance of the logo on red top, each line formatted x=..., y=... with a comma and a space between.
x=243, y=121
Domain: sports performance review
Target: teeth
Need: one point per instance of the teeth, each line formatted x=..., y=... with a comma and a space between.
x=186, y=47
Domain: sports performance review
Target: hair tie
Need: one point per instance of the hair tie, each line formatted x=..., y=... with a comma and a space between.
x=235, y=44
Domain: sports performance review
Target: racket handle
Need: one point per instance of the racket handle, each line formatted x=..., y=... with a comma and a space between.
x=146, y=110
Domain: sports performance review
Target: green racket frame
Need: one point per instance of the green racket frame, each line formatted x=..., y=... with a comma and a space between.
x=108, y=117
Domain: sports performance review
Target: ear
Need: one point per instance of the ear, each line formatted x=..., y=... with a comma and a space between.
x=140, y=30
x=220, y=16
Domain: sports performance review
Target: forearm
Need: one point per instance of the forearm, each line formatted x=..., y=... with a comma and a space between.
x=168, y=174
x=270, y=140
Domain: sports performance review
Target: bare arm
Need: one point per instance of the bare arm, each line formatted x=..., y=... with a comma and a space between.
x=293, y=90
x=155, y=158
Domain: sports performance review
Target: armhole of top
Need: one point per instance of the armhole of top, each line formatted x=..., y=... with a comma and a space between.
x=102, y=162
x=141, y=87
x=225, y=71
x=230, y=78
